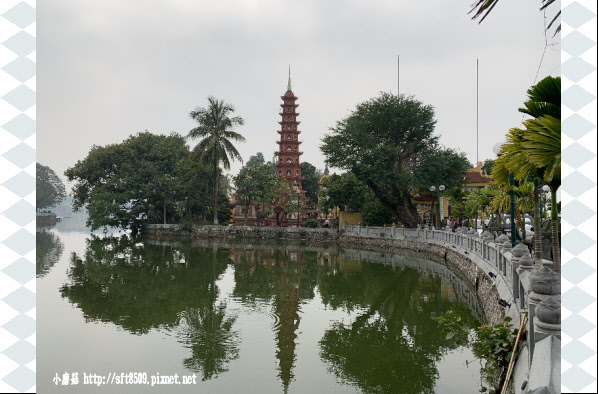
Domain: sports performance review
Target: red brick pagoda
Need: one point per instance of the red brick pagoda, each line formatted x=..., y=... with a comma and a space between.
x=288, y=164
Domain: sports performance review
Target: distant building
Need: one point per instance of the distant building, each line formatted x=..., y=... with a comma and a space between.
x=476, y=178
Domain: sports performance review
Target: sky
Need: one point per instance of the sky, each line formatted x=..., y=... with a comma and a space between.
x=110, y=69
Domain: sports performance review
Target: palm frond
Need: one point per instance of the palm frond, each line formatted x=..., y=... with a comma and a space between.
x=482, y=8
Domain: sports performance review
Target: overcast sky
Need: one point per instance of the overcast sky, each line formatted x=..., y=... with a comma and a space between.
x=108, y=69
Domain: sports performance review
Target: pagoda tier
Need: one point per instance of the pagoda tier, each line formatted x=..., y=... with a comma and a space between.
x=299, y=178
x=288, y=113
x=289, y=97
x=288, y=153
x=289, y=105
x=288, y=131
x=283, y=164
x=289, y=142
x=290, y=122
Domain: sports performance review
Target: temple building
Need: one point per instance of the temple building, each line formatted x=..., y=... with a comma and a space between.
x=476, y=178
x=288, y=163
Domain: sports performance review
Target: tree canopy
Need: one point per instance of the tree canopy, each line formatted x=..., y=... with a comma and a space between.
x=389, y=144
x=147, y=177
x=311, y=183
x=344, y=191
x=49, y=187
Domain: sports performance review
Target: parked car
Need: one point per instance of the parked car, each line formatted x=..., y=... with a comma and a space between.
x=506, y=227
x=546, y=239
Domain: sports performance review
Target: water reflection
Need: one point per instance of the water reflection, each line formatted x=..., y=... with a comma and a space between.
x=140, y=287
x=387, y=340
x=285, y=278
x=49, y=248
x=394, y=344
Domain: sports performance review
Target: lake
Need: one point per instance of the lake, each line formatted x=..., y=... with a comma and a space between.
x=244, y=317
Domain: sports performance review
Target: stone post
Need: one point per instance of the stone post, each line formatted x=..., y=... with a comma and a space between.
x=487, y=237
x=517, y=253
x=506, y=247
x=394, y=230
x=526, y=264
x=500, y=242
x=548, y=318
x=544, y=282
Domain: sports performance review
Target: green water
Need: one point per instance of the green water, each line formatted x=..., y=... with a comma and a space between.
x=246, y=317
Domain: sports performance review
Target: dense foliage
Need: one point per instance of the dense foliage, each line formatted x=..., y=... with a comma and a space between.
x=311, y=183
x=344, y=191
x=375, y=214
x=492, y=343
x=146, y=178
x=254, y=184
x=49, y=188
x=388, y=143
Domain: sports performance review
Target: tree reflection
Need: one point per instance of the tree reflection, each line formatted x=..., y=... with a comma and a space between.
x=49, y=248
x=394, y=344
x=139, y=287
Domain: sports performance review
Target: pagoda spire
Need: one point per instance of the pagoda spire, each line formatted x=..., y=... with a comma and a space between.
x=289, y=85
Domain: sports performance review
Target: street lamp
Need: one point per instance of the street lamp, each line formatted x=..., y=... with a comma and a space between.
x=257, y=214
x=545, y=189
x=498, y=150
x=440, y=189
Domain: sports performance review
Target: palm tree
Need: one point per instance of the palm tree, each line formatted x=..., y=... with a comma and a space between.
x=536, y=151
x=543, y=147
x=501, y=203
x=524, y=195
x=457, y=197
x=215, y=128
x=481, y=8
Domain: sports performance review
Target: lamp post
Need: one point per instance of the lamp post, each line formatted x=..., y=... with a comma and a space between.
x=257, y=214
x=437, y=190
x=498, y=150
x=545, y=189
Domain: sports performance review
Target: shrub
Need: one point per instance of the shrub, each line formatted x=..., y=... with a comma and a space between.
x=493, y=343
x=310, y=223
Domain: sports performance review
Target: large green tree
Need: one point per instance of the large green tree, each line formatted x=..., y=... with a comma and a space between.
x=311, y=183
x=146, y=177
x=344, y=191
x=215, y=128
x=49, y=187
x=389, y=144
x=255, y=183
x=457, y=197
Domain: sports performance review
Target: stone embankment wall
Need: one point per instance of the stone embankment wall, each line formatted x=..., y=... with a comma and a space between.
x=161, y=231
